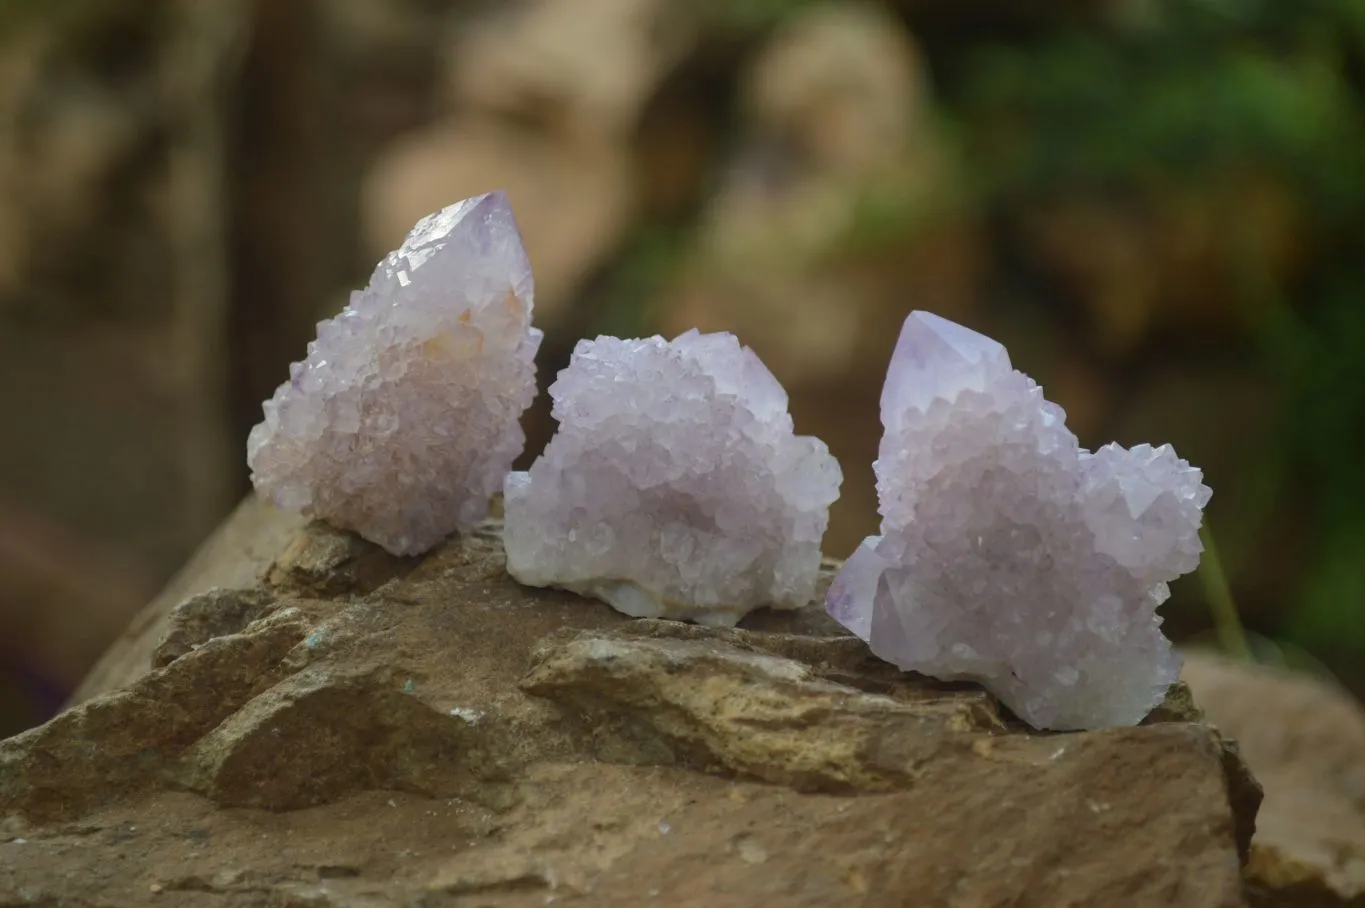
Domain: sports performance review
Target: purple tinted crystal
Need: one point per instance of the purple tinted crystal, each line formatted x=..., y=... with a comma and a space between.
x=675, y=486
x=404, y=418
x=1008, y=554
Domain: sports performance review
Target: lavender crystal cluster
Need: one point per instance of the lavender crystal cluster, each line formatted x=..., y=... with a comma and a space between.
x=1008, y=554
x=675, y=486
x=404, y=418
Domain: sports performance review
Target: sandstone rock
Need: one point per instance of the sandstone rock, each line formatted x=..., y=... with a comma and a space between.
x=256, y=538
x=211, y=614
x=758, y=714
x=347, y=728
x=1306, y=743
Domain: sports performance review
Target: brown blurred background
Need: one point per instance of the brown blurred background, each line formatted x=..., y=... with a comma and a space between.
x=1158, y=205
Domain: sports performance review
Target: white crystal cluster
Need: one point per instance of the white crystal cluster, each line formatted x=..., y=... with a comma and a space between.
x=675, y=486
x=403, y=420
x=1009, y=555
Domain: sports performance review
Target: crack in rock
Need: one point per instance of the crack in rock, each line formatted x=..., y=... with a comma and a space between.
x=713, y=704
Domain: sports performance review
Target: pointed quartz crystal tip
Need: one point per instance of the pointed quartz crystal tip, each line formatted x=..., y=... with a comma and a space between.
x=936, y=358
x=403, y=419
x=675, y=486
x=1008, y=554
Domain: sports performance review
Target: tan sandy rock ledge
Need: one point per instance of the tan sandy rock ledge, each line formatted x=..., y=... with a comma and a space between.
x=302, y=719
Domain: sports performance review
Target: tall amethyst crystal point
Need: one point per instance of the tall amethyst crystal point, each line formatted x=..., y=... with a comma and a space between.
x=404, y=418
x=675, y=486
x=1008, y=554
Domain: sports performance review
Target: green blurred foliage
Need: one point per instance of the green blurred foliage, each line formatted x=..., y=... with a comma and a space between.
x=1181, y=95
x=1184, y=96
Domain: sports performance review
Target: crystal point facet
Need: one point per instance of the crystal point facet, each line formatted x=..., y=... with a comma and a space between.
x=937, y=359
x=1008, y=554
x=404, y=418
x=675, y=486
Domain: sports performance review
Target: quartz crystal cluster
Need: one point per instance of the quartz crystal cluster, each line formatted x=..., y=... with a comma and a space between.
x=1008, y=554
x=403, y=420
x=674, y=486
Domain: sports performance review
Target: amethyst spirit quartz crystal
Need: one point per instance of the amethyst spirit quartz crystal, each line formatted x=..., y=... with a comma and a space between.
x=675, y=486
x=1008, y=554
x=404, y=417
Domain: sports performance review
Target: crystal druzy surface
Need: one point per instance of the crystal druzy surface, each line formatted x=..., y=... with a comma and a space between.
x=674, y=486
x=1008, y=554
x=404, y=418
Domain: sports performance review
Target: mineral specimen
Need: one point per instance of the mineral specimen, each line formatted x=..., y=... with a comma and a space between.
x=674, y=486
x=1010, y=556
x=403, y=420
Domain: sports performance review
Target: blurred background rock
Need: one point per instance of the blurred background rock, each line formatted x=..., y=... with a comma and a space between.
x=1158, y=205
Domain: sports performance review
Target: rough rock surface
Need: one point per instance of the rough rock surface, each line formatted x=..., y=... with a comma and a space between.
x=358, y=729
x=1305, y=740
